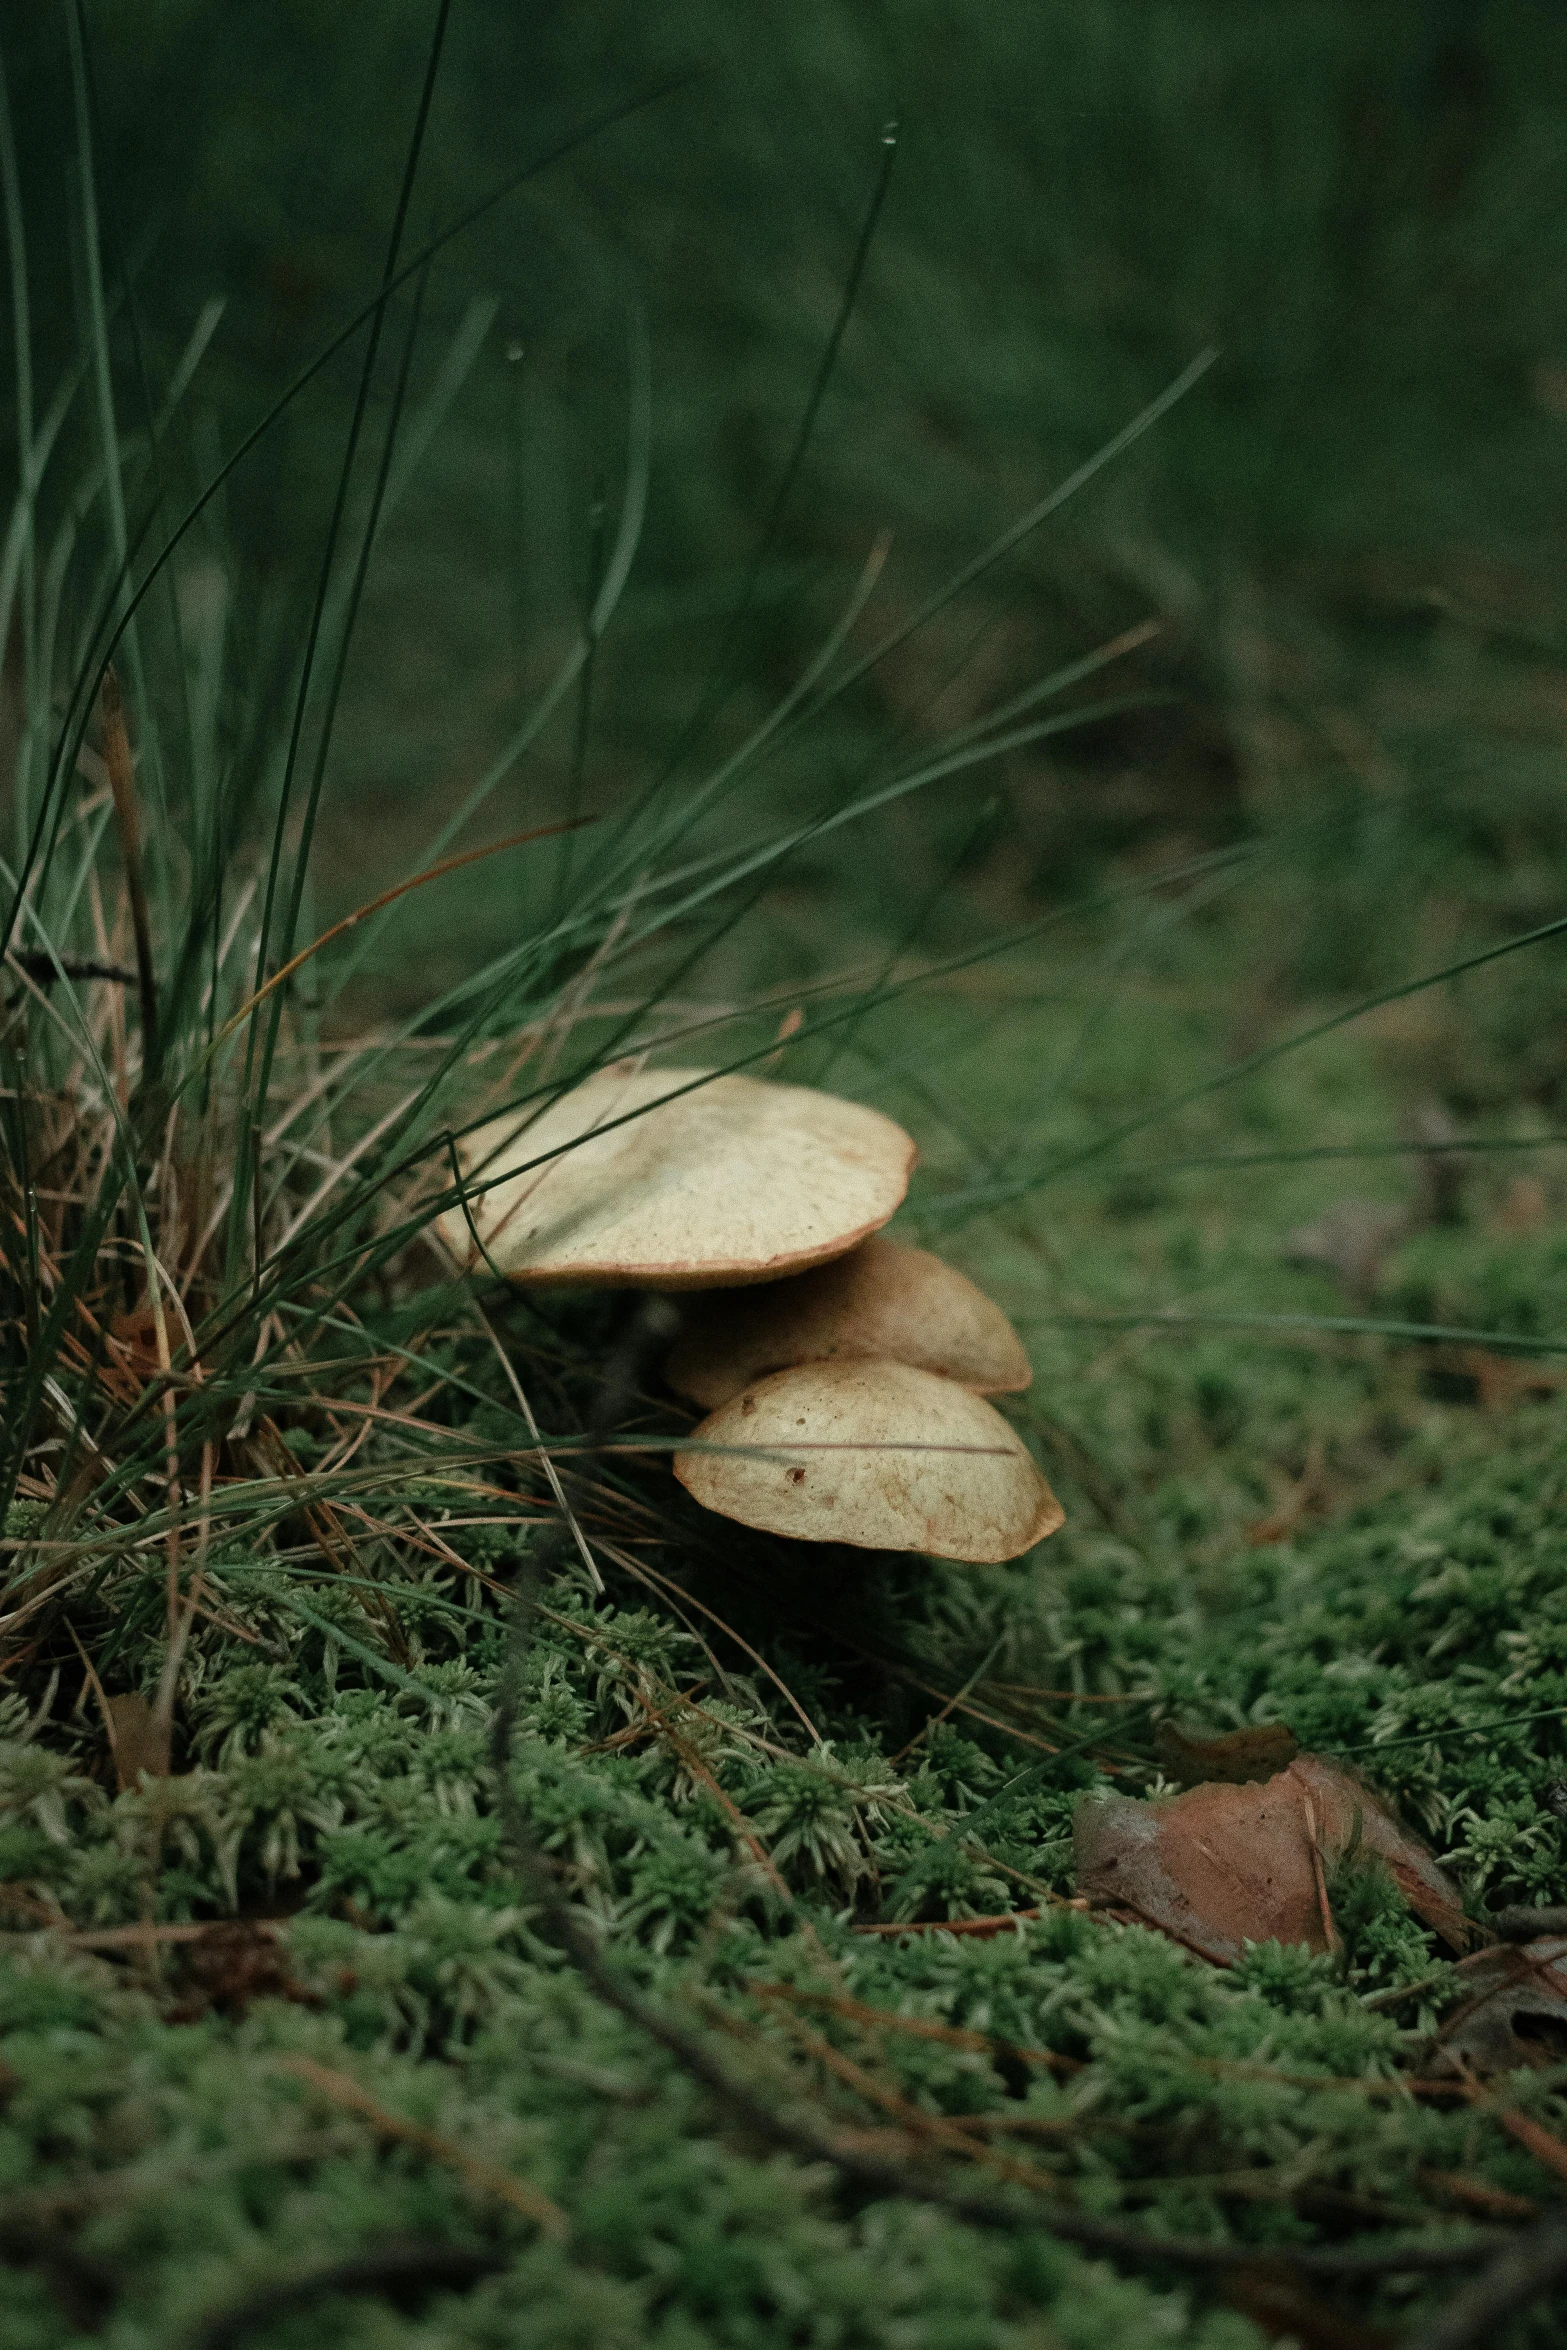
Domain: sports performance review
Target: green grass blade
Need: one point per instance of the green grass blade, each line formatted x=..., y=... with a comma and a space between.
x=1334, y=1325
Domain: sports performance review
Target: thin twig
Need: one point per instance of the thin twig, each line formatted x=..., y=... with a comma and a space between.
x=918, y=2027
x=931, y=2130
x=1522, y=1924
x=1004, y=1921
x=148, y=1935
x=1542, y=2143
x=487, y=2178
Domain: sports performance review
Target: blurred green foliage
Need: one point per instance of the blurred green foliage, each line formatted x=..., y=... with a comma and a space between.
x=1359, y=207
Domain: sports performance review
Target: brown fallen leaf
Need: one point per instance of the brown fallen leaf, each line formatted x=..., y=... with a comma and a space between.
x=1224, y=1865
x=1514, y=2010
x=1238, y=1757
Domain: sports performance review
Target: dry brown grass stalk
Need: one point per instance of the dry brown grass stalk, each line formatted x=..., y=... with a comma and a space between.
x=478, y=2175
x=122, y=782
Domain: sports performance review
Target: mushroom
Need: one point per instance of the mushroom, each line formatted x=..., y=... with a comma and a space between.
x=882, y=1302
x=675, y=1179
x=879, y=1454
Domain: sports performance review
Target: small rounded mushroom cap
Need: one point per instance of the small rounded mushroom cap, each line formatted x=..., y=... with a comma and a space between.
x=884, y=1302
x=731, y=1181
x=877, y=1454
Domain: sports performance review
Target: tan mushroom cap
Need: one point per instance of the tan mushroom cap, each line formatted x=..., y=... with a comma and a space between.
x=884, y=1302
x=878, y=1454
x=729, y=1182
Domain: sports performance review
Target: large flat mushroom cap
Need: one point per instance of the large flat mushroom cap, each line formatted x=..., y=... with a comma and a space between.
x=877, y=1454
x=883, y=1302
x=731, y=1181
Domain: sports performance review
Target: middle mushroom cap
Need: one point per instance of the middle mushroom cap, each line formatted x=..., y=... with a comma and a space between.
x=883, y=1302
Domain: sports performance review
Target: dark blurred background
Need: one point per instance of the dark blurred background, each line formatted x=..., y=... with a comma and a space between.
x=1351, y=531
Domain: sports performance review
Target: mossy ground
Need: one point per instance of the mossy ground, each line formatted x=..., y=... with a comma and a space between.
x=1343, y=1532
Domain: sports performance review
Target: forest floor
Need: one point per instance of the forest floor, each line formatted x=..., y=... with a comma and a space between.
x=282, y=2001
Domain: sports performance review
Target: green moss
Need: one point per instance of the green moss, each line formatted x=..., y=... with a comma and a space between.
x=363, y=1805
